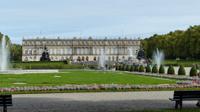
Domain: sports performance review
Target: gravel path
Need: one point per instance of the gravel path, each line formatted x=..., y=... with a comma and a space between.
x=93, y=102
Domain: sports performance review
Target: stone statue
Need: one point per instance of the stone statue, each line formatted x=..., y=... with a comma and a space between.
x=45, y=55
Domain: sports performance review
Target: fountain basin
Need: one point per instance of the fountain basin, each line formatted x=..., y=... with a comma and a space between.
x=28, y=71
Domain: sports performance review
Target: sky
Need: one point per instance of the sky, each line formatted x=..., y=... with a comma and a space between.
x=97, y=18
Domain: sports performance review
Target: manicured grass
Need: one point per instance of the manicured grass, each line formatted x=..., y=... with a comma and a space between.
x=79, y=77
x=185, y=63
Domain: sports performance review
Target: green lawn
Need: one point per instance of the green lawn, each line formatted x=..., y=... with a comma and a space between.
x=182, y=62
x=78, y=77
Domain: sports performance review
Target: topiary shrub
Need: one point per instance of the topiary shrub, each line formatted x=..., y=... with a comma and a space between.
x=155, y=69
x=148, y=69
x=171, y=70
x=161, y=69
x=121, y=67
x=141, y=68
x=193, y=71
x=124, y=68
x=127, y=67
x=136, y=68
x=132, y=68
x=181, y=70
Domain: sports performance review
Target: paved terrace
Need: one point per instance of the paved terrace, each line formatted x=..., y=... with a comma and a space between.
x=93, y=102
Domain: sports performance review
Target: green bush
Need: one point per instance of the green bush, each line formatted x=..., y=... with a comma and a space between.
x=162, y=69
x=141, y=68
x=127, y=67
x=121, y=67
x=117, y=67
x=132, y=68
x=148, y=68
x=136, y=68
x=47, y=65
x=155, y=69
x=124, y=67
x=171, y=70
x=181, y=70
x=193, y=71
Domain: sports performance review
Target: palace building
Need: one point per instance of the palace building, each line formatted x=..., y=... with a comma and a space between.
x=79, y=49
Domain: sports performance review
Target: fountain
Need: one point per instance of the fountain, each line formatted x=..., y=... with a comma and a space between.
x=158, y=57
x=4, y=55
x=130, y=54
x=102, y=60
x=4, y=62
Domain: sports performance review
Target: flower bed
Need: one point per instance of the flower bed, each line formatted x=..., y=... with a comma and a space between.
x=98, y=87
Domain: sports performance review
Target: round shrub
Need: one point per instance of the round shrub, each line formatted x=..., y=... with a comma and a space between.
x=148, y=69
x=193, y=71
x=141, y=68
x=161, y=69
x=136, y=68
x=132, y=68
x=181, y=70
x=155, y=69
x=171, y=70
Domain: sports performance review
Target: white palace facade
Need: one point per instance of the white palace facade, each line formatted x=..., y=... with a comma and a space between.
x=79, y=49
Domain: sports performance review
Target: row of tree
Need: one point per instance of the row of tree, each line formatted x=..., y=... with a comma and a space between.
x=156, y=69
x=177, y=44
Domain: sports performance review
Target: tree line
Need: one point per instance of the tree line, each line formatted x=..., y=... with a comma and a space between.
x=182, y=44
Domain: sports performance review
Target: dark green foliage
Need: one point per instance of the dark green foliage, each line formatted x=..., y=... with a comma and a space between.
x=136, y=68
x=155, y=69
x=16, y=53
x=181, y=70
x=148, y=68
x=141, y=68
x=121, y=67
x=48, y=65
x=124, y=68
x=193, y=71
x=127, y=67
x=171, y=70
x=161, y=69
x=181, y=44
x=132, y=68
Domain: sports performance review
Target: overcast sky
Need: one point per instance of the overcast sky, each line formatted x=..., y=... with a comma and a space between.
x=99, y=18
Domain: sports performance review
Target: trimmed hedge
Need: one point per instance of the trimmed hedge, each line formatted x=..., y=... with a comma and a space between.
x=193, y=71
x=141, y=68
x=132, y=68
x=48, y=65
x=124, y=68
x=136, y=68
x=155, y=69
x=161, y=69
x=171, y=70
x=127, y=67
x=121, y=67
x=148, y=69
x=181, y=70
